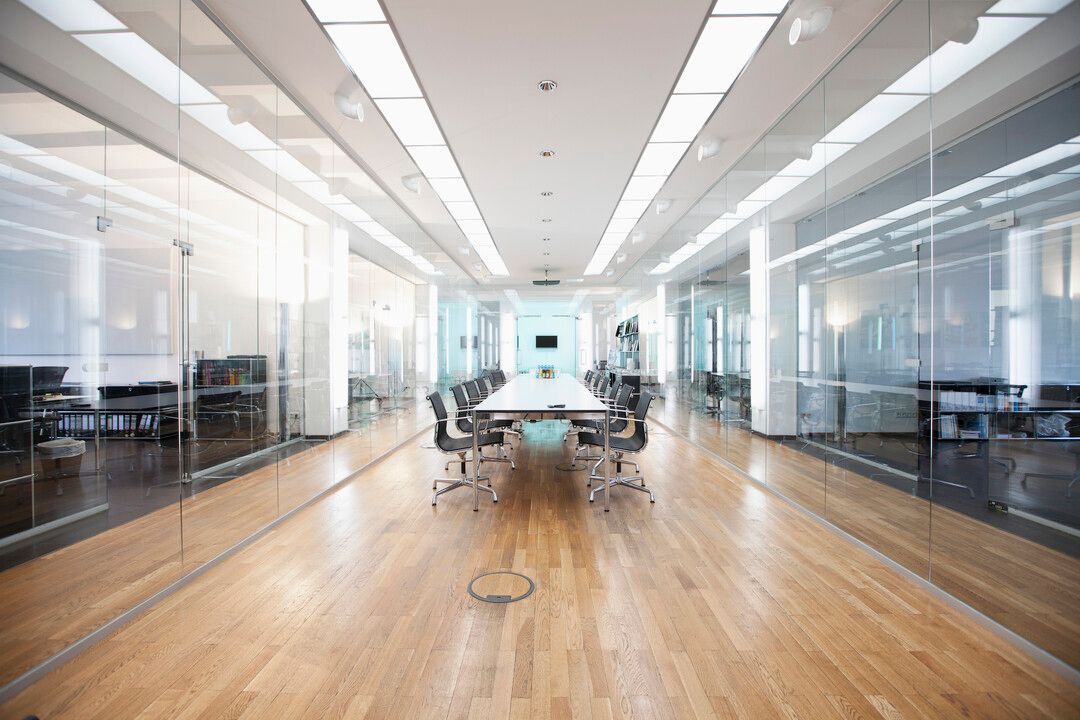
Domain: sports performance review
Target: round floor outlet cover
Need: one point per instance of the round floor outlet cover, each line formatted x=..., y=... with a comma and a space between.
x=501, y=586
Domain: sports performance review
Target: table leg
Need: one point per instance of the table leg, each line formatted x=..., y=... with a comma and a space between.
x=607, y=450
x=476, y=463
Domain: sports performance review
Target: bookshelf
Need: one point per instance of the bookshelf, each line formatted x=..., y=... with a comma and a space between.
x=628, y=343
x=231, y=397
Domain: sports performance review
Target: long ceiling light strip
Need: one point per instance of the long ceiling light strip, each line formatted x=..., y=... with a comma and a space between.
x=367, y=44
x=101, y=32
x=996, y=29
x=732, y=34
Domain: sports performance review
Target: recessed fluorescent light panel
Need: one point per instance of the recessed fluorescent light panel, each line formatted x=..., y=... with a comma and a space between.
x=142, y=61
x=683, y=117
x=75, y=15
x=725, y=46
x=729, y=39
x=346, y=11
x=749, y=7
x=367, y=44
x=435, y=161
x=660, y=158
x=412, y=120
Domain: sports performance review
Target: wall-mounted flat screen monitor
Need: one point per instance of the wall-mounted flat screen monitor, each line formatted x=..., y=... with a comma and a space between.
x=547, y=341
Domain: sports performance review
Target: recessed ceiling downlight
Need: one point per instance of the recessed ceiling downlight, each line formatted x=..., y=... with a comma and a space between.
x=546, y=193
x=547, y=85
x=547, y=153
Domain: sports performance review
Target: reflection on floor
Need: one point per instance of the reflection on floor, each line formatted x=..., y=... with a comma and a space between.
x=51, y=601
x=1024, y=585
x=718, y=601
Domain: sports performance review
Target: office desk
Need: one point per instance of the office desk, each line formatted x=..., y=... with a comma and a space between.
x=527, y=395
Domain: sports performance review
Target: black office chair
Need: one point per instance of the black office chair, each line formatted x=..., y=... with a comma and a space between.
x=714, y=390
x=475, y=391
x=589, y=376
x=575, y=426
x=459, y=447
x=620, y=405
x=621, y=446
x=465, y=425
x=15, y=398
x=601, y=387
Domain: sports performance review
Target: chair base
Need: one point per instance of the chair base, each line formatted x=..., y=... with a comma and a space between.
x=625, y=481
x=618, y=460
x=455, y=483
x=1072, y=479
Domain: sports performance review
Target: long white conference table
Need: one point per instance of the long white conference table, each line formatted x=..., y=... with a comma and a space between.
x=541, y=398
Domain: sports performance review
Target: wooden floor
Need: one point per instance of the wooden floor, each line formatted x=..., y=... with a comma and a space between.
x=721, y=600
x=1030, y=588
x=50, y=602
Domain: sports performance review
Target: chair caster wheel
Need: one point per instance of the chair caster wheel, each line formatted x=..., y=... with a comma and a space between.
x=652, y=501
x=591, y=500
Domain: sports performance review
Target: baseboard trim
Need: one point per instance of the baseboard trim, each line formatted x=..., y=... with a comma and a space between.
x=43, y=668
x=53, y=524
x=1066, y=671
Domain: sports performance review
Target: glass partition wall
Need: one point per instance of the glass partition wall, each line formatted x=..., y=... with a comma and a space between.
x=191, y=296
x=880, y=316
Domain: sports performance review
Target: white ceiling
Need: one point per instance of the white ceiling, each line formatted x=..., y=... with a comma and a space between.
x=479, y=63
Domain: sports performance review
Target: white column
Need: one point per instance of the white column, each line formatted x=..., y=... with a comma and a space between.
x=782, y=334
x=317, y=323
x=507, y=341
x=759, y=330
x=339, y=331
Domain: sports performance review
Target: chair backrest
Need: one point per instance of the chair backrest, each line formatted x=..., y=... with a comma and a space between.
x=485, y=384
x=588, y=376
x=602, y=387
x=442, y=435
x=463, y=422
x=500, y=377
x=622, y=398
x=640, y=438
x=612, y=391
x=472, y=390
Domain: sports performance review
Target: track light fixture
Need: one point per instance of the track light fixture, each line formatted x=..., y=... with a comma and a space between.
x=708, y=149
x=237, y=114
x=810, y=25
x=412, y=182
x=348, y=104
